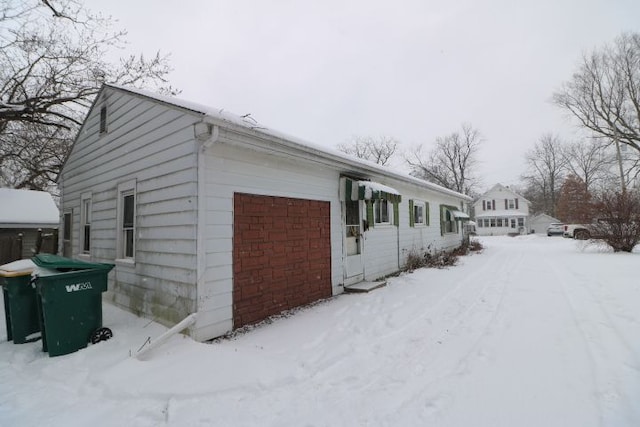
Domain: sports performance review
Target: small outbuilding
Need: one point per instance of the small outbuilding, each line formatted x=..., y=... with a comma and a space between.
x=205, y=211
x=538, y=224
x=28, y=224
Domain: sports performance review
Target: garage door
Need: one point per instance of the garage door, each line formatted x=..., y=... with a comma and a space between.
x=281, y=255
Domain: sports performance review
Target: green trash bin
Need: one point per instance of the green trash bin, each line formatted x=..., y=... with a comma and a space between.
x=69, y=302
x=20, y=301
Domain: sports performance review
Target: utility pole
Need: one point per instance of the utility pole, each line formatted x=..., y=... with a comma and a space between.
x=615, y=138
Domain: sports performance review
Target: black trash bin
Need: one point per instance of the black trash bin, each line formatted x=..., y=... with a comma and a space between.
x=69, y=302
x=20, y=301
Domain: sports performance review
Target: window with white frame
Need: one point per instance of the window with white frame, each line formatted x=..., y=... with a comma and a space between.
x=85, y=222
x=449, y=223
x=381, y=213
x=418, y=213
x=126, y=220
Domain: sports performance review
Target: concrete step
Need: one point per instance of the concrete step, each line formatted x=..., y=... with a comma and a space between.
x=364, y=286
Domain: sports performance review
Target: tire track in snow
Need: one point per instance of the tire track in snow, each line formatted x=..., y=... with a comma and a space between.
x=609, y=319
x=607, y=382
x=421, y=334
x=497, y=280
x=458, y=314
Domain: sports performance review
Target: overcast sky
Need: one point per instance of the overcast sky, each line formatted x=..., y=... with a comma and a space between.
x=324, y=71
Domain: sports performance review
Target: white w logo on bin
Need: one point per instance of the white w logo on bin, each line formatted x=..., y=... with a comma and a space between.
x=78, y=287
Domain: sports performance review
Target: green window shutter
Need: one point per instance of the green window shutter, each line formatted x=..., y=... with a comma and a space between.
x=411, y=219
x=396, y=214
x=426, y=213
x=370, y=213
x=442, y=219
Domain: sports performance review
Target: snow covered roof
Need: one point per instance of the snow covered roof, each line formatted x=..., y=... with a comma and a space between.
x=249, y=122
x=27, y=209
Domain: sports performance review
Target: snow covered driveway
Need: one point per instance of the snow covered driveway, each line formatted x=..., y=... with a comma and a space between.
x=534, y=331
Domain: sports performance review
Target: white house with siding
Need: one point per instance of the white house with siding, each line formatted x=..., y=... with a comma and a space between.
x=204, y=211
x=501, y=211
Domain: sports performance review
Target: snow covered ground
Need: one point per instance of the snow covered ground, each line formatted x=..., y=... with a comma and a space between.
x=534, y=331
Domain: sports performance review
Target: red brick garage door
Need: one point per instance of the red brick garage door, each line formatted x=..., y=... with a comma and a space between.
x=281, y=255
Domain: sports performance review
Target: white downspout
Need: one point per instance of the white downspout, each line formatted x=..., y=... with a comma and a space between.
x=207, y=138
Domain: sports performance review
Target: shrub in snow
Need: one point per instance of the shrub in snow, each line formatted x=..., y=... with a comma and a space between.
x=619, y=220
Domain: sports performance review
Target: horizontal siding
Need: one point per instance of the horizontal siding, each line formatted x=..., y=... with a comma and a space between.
x=380, y=251
x=153, y=145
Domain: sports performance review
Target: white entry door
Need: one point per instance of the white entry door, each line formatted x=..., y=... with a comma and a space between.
x=354, y=267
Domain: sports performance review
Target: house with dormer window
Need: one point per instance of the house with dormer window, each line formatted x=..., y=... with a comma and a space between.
x=501, y=211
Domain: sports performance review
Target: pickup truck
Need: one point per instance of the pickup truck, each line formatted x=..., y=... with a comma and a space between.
x=577, y=231
x=585, y=231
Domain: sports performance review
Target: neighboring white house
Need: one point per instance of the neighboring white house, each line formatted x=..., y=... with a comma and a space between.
x=209, y=212
x=538, y=224
x=26, y=216
x=501, y=211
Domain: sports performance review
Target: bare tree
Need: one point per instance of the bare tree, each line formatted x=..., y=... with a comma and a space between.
x=604, y=94
x=451, y=163
x=52, y=64
x=545, y=171
x=32, y=157
x=590, y=161
x=379, y=150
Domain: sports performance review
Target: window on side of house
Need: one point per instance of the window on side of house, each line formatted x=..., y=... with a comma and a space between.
x=85, y=223
x=449, y=223
x=66, y=232
x=67, y=223
x=381, y=212
x=512, y=204
x=103, y=119
x=126, y=221
x=420, y=213
x=520, y=222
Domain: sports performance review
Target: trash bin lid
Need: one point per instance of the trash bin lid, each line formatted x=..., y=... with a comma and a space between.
x=22, y=267
x=62, y=264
